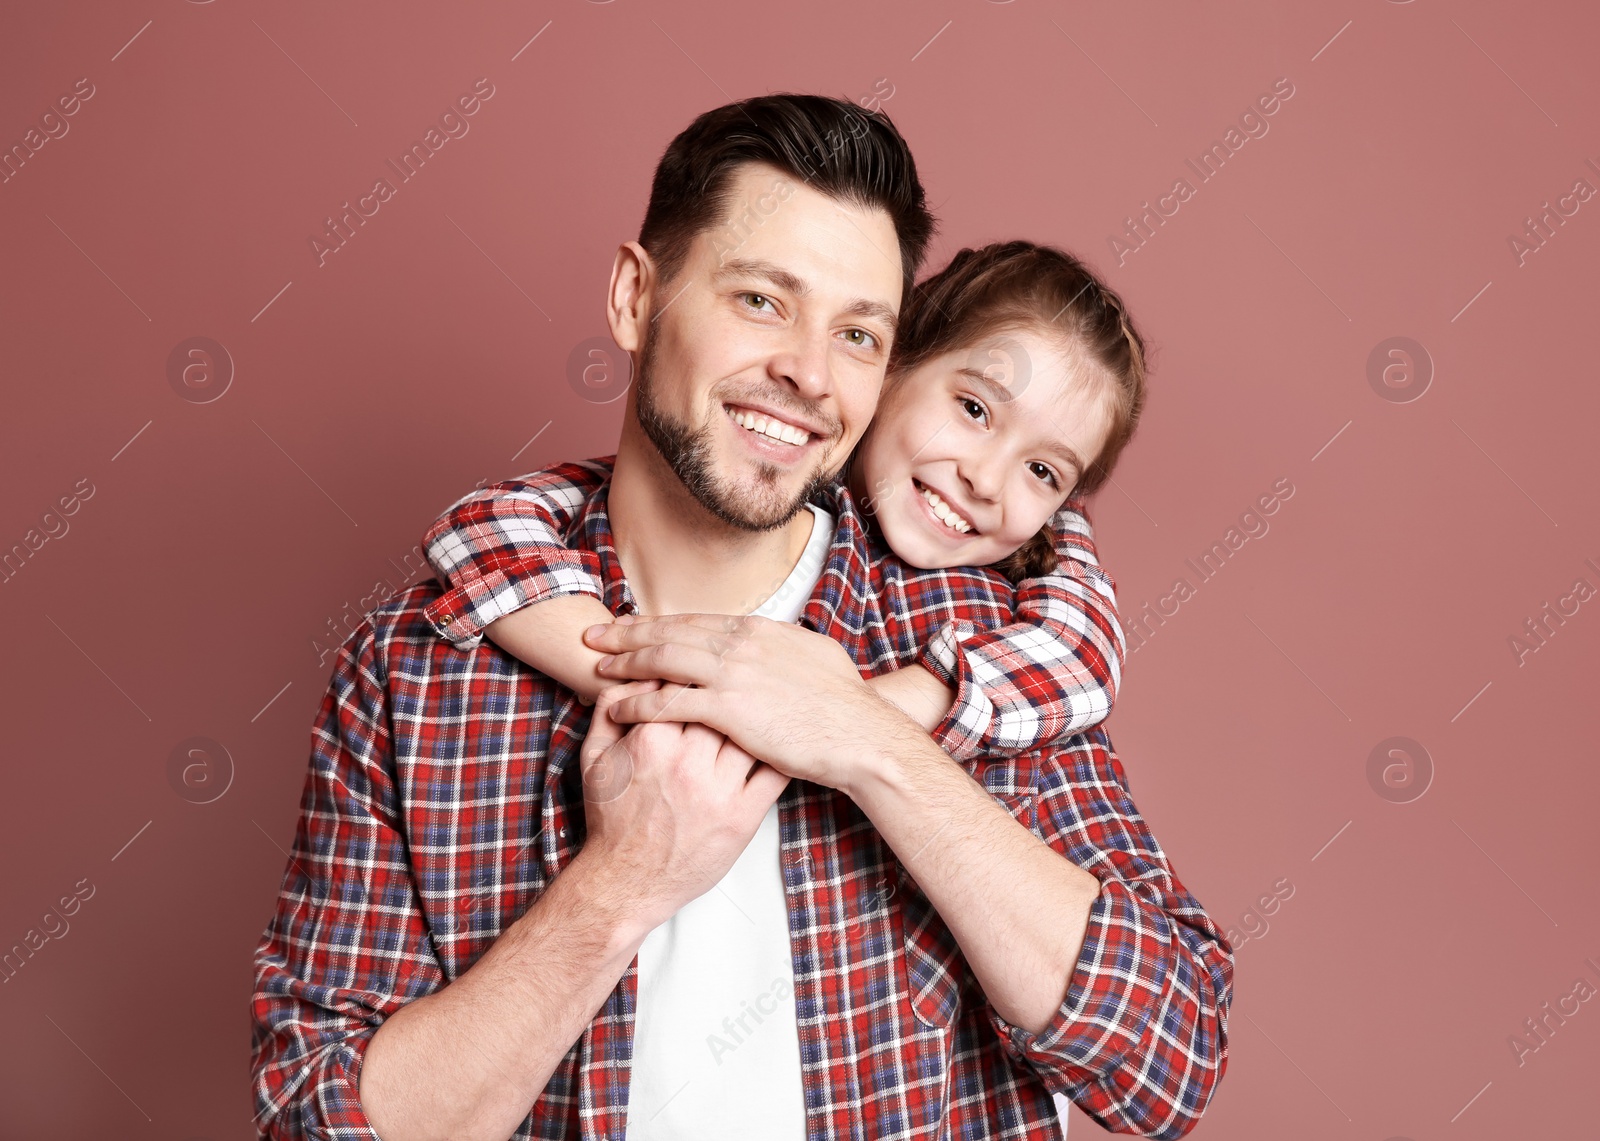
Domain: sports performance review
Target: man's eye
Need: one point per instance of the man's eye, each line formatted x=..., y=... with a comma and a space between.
x=869, y=338
x=760, y=298
x=972, y=408
x=1044, y=472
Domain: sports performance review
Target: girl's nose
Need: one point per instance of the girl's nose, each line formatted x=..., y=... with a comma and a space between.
x=983, y=472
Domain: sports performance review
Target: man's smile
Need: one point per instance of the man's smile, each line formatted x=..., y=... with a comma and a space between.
x=772, y=436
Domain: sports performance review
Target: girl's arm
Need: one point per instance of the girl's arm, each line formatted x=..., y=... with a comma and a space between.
x=917, y=692
x=1052, y=673
x=501, y=551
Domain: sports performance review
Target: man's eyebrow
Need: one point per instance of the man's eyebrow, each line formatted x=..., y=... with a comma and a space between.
x=874, y=310
x=790, y=283
x=752, y=267
x=1000, y=394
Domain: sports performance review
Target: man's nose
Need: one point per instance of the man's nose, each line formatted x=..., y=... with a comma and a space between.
x=805, y=362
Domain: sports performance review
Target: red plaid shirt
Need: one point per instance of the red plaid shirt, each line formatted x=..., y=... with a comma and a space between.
x=444, y=795
x=1051, y=673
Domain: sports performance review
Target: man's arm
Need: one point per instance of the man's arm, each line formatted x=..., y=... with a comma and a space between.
x=1016, y=908
x=467, y=1061
x=1087, y=935
x=668, y=810
x=356, y=1035
x=1111, y=983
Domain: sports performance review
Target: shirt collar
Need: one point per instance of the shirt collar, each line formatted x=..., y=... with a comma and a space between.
x=838, y=603
x=843, y=604
x=591, y=531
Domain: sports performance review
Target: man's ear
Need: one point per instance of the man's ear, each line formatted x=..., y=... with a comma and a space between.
x=628, y=302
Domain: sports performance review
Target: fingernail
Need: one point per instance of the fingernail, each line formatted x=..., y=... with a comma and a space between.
x=594, y=631
x=606, y=661
x=625, y=620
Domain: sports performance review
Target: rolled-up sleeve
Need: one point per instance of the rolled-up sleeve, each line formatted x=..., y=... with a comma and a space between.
x=1053, y=672
x=1141, y=1039
x=502, y=547
x=347, y=944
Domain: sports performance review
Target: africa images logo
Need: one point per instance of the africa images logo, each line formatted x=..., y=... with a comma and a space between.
x=451, y=125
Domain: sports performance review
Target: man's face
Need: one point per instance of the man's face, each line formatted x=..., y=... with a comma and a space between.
x=764, y=357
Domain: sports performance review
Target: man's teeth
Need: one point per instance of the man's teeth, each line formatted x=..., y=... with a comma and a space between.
x=775, y=429
x=946, y=514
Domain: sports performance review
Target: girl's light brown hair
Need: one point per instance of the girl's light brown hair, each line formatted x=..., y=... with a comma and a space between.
x=1012, y=286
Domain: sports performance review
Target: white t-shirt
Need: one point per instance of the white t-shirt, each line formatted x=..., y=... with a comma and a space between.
x=716, y=1047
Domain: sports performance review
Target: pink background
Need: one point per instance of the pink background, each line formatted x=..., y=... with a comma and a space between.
x=195, y=589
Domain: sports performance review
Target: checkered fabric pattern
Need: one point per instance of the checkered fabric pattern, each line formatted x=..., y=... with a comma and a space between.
x=1051, y=671
x=444, y=795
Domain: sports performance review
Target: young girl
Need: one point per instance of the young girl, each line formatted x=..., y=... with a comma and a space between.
x=1017, y=379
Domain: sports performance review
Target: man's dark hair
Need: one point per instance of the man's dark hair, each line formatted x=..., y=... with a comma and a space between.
x=832, y=145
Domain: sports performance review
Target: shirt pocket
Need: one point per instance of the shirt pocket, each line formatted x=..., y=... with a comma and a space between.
x=1023, y=806
x=936, y=970
x=934, y=967
x=1013, y=783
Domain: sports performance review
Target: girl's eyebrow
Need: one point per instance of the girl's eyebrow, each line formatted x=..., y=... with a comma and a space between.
x=1000, y=394
x=789, y=282
x=1066, y=453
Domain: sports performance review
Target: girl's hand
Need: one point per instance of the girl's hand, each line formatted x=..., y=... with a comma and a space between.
x=783, y=693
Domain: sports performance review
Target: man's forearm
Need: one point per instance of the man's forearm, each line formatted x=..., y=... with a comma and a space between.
x=468, y=1061
x=1017, y=908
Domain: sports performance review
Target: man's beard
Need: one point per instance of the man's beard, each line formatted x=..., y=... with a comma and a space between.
x=688, y=452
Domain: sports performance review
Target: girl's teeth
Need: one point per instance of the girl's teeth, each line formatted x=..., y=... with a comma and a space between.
x=945, y=513
x=772, y=429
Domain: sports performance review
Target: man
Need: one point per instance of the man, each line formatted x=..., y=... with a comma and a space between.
x=457, y=934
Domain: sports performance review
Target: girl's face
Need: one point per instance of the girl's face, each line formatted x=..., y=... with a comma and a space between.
x=973, y=451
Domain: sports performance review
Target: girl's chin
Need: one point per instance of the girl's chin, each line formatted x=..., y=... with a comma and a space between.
x=913, y=545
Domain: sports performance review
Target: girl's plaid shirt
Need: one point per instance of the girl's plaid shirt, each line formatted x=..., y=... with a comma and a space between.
x=444, y=795
x=1052, y=672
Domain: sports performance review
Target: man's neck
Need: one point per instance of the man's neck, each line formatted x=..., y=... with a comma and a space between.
x=679, y=558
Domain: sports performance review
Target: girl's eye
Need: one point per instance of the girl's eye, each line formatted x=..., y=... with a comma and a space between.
x=973, y=408
x=869, y=338
x=760, y=297
x=1044, y=472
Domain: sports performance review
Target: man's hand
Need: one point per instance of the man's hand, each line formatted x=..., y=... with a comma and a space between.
x=669, y=807
x=786, y=694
